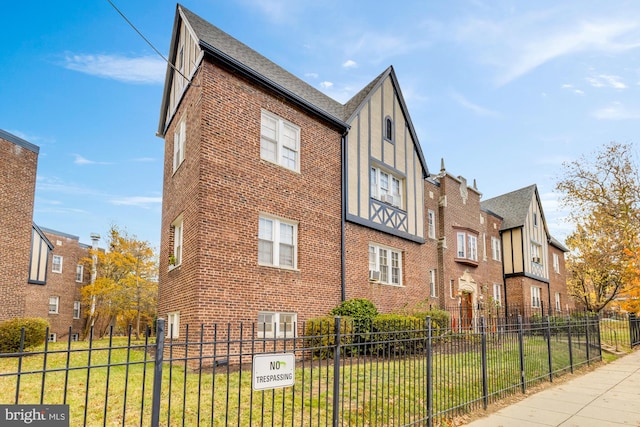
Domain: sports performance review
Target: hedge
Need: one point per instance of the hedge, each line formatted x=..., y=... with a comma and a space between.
x=35, y=332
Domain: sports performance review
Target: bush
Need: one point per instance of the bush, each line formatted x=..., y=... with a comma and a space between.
x=361, y=311
x=440, y=320
x=35, y=332
x=320, y=336
x=397, y=334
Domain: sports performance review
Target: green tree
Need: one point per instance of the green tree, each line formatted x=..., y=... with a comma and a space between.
x=602, y=192
x=125, y=288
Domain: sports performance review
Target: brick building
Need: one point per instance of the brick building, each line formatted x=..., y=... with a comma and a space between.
x=279, y=202
x=41, y=273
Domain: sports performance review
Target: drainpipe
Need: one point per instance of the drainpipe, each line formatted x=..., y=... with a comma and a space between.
x=95, y=238
x=343, y=214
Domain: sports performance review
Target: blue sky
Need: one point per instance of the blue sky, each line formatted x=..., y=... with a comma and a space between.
x=504, y=91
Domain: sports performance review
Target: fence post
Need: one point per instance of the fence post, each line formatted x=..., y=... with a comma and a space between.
x=157, y=374
x=549, y=358
x=485, y=385
x=336, y=373
x=429, y=374
x=569, y=339
x=521, y=345
x=633, y=326
x=586, y=334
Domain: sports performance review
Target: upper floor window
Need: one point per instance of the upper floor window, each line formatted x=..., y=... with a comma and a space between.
x=385, y=265
x=535, y=297
x=76, y=309
x=467, y=246
x=495, y=248
x=556, y=263
x=536, y=249
x=388, y=129
x=273, y=324
x=79, y=273
x=497, y=293
x=431, y=216
x=432, y=283
x=535, y=219
x=558, y=302
x=177, y=231
x=386, y=187
x=277, y=242
x=54, y=304
x=280, y=141
x=179, y=138
x=56, y=266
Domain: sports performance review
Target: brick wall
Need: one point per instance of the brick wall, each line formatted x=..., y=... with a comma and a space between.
x=17, y=188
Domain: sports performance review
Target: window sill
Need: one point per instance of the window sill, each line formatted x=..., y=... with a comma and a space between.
x=467, y=261
x=377, y=282
x=174, y=266
x=293, y=269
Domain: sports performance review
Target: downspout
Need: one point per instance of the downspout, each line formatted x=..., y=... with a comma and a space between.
x=343, y=215
x=504, y=279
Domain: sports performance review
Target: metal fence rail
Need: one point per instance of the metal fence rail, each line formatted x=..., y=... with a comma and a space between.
x=394, y=375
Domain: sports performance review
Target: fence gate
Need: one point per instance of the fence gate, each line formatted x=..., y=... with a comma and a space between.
x=634, y=330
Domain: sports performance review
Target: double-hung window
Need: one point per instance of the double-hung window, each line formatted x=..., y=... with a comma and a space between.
x=558, y=302
x=173, y=324
x=495, y=249
x=277, y=242
x=535, y=297
x=54, y=304
x=76, y=309
x=177, y=231
x=386, y=187
x=432, y=283
x=556, y=263
x=56, y=266
x=274, y=324
x=79, y=273
x=467, y=246
x=387, y=262
x=280, y=141
x=431, y=217
x=497, y=293
x=536, y=249
x=179, y=138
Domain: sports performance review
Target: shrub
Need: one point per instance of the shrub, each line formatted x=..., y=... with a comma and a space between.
x=320, y=336
x=440, y=320
x=35, y=330
x=361, y=311
x=397, y=334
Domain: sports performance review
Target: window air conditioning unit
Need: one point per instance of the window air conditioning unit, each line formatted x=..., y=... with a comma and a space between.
x=374, y=275
x=388, y=198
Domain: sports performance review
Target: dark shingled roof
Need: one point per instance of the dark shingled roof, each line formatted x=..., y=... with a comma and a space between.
x=512, y=207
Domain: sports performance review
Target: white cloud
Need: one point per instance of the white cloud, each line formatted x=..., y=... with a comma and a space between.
x=616, y=111
x=350, y=64
x=326, y=85
x=477, y=109
x=80, y=160
x=139, y=201
x=603, y=80
x=146, y=69
x=312, y=75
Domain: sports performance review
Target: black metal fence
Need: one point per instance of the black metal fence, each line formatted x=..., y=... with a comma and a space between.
x=401, y=374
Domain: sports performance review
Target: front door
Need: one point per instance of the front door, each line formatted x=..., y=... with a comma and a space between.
x=466, y=310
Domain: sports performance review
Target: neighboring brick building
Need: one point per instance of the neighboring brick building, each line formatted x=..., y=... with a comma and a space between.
x=279, y=202
x=39, y=275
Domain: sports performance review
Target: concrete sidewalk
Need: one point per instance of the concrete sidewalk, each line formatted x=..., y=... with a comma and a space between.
x=606, y=396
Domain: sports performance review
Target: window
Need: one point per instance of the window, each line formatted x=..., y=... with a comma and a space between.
x=535, y=253
x=495, y=249
x=467, y=246
x=179, y=138
x=53, y=337
x=79, y=273
x=75, y=337
x=274, y=324
x=432, y=283
x=54, y=303
x=76, y=309
x=535, y=219
x=279, y=141
x=173, y=324
x=177, y=228
x=388, y=129
x=386, y=187
x=558, y=304
x=535, y=297
x=56, y=266
x=497, y=293
x=388, y=262
x=277, y=242
x=431, y=216
x=556, y=263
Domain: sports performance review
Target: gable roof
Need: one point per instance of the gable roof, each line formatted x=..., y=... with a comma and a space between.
x=18, y=141
x=512, y=207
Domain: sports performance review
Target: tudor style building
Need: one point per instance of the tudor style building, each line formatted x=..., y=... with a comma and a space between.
x=279, y=202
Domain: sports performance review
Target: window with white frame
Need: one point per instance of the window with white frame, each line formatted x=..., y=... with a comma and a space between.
x=558, y=302
x=387, y=262
x=279, y=141
x=75, y=337
x=467, y=246
x=495, y=249
x=277, y=242
x=536, y=249
x=76, y=309
x=56, y=265
x=556, y=263
x=497, y=293
x=386, y=187
x=79, y=273
x=535, y=297
x=431, y=217
x=53, y=337
x=275, y=324
x=179, y=139
x=173, y=324
x=432, y=283
x=177, y=231
x=54, y=305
